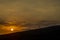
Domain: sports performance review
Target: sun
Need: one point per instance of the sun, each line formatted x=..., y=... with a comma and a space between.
x=12, y=29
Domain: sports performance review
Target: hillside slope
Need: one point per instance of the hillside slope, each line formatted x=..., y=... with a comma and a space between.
x=38, y=34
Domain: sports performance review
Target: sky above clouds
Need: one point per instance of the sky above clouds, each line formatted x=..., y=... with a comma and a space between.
x=29, y=11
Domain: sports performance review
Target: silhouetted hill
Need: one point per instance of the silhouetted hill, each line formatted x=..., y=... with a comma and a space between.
x=38, y=34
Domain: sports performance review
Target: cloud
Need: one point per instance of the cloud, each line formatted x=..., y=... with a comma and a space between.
x=29, y=11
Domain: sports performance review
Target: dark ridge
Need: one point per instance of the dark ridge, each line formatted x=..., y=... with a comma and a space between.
x=38, y=34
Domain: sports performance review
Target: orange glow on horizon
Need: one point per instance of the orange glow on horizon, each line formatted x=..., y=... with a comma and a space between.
x=11, y=29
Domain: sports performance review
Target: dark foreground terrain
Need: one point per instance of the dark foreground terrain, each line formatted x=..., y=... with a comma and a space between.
x=52, y=32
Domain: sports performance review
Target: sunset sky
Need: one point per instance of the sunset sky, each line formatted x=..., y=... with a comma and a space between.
x=28, y=12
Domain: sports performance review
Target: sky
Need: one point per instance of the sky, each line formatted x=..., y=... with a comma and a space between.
x=30, y=10
x=30, y=13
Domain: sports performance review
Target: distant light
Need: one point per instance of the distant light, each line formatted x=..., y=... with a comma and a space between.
x=12, y=29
